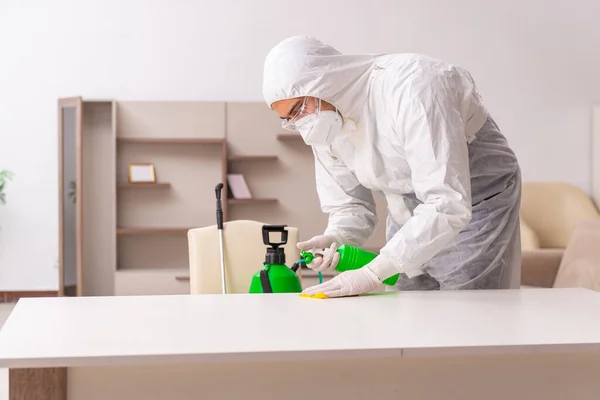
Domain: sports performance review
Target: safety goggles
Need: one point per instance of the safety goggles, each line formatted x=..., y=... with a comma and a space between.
x=304, y=110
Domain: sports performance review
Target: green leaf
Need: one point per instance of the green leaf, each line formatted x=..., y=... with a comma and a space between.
x=5, y=176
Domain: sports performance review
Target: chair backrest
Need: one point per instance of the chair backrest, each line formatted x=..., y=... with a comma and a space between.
x=244, y=255
x=554, y=210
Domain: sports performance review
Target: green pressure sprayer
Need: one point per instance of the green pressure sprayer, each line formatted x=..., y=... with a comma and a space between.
x=350, y=258
x=275, y=276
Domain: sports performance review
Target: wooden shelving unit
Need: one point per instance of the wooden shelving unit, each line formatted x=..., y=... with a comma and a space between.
x=149, y=140
x=240, y=158
x=127, y=185
x=289, y=137
x=250, y=161
x=152, y=230
x=179, y=138
x=252, y=201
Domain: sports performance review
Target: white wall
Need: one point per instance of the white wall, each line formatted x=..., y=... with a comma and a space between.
x=537, y=63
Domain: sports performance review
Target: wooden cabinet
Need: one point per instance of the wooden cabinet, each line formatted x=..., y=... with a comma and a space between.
x=70, y=221
x=150, y=282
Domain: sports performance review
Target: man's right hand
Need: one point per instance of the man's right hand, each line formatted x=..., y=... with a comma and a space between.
x=329, y=261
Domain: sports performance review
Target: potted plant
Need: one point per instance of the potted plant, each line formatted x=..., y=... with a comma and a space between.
x=5, y=177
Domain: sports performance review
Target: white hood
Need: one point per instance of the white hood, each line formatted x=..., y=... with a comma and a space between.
x=304, y=66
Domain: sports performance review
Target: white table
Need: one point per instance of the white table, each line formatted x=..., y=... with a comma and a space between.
x=512, y=344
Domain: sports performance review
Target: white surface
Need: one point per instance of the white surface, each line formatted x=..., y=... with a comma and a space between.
x=537, y=76
x=202, y=328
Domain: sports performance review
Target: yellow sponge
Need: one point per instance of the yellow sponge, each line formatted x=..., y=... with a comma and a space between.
x=314, y=296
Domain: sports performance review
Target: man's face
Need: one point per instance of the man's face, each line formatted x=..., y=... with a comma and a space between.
x=298, y=107
x=295, y=108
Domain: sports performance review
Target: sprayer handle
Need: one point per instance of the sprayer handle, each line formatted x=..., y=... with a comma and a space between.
x=310, y=255
x=266, y=229
x=323, y=252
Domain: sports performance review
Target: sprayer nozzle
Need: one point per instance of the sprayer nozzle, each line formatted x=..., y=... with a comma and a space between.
x=307, y=256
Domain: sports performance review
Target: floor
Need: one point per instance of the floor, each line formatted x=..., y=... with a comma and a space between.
x=5, y=309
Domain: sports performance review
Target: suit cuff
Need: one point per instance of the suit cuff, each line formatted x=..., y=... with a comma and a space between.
x=384, y=267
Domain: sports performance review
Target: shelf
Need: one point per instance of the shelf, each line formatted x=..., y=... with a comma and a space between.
x=127, y=185
x=252, y=158
x=151, y=231
x=251, y=201
x=152, y=281
x=170, y=140
x=179, y=274
x=289, y=137
x=96, y=100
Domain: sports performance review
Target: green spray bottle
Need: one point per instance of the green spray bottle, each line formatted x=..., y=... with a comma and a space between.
x=350, y=258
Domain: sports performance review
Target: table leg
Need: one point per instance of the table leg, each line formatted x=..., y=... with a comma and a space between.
x=37, y=384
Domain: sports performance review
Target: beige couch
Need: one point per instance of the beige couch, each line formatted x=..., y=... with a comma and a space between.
x=560, y=232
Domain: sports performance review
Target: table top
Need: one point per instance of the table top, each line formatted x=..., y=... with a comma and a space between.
x=87, y=331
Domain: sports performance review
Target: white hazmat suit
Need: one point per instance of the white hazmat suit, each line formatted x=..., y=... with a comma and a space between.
x=415, y=129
